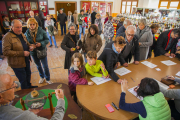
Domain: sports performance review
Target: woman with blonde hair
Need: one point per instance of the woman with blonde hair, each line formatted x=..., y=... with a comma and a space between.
x=98, y=23
x=36, y=35
x=70, y=18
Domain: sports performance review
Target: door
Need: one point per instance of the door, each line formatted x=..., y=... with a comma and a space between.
x=66, y=6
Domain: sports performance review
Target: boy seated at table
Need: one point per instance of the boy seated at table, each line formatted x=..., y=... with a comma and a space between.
x=93, y=65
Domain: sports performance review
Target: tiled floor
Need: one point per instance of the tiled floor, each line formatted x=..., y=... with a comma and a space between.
x=55, y=57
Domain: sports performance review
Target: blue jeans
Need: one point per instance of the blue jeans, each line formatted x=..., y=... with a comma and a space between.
x=24, y=75
x=62, y=29
x=85, y=60
x=44, y=62
x=81, y=29
x=54, y=40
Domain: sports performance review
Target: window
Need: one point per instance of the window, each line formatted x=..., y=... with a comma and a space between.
x=128, y=5
x=169, y=4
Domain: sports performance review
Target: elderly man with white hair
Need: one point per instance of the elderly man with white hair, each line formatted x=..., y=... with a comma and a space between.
x=31, y=13
x=122, y=29
x=9, y=112
x=132, y=46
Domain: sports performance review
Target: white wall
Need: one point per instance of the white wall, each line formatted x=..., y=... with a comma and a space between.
x=116, y=6
x=51, y=4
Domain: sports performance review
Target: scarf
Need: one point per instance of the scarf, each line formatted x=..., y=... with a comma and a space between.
x=33, y=33
x=114, y=49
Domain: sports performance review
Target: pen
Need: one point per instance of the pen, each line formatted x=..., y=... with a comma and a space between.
x=132, y=79
x=114, y=106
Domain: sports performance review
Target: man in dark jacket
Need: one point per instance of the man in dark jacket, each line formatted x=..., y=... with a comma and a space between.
x=154, y=29
x=93, y=16
x=42, y=18
x=132, y=46
x=62, y=18
x=167, y=42
x=122, y=29
x=31, y=13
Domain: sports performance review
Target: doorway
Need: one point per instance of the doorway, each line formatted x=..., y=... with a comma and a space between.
x=67, y=6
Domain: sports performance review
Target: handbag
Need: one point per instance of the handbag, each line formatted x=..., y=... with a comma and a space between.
x=167, y=81
x=40, y=53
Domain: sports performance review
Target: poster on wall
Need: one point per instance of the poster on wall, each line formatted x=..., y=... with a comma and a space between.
x=86, y=6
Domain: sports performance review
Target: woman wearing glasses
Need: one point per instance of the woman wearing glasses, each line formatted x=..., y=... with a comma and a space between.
x=145, y=38
x=36, y=35
x=71, y=44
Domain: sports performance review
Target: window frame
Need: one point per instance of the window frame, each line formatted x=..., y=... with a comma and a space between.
x=128, y=5
x=168, y=5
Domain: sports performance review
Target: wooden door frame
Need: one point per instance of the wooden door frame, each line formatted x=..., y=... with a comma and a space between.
x=63, y=2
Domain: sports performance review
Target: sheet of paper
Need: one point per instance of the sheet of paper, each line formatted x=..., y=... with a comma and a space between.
x=168, y=62
x=131, y=90
x=178, y=74
x=170, y=57
x=122, y=71
x=162, y=84
x=100, y=80
x=149, y=64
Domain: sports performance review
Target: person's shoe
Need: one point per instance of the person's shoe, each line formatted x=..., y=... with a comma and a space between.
x=49, y=82
x=50, y=45
x=41, y=80
x=33, y=86
x=56, y=46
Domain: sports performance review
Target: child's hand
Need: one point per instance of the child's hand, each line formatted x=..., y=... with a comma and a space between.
x=103, y=67
x=106, y=76
x=90, y=83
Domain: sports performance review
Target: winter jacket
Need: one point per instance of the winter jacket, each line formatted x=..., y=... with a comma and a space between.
x=75, y=77
x=110, y=58
x=66, y=45
x=79, y=18
x=134, y=50
x=41, y=37
x=90, y=43
x=109, y=29
x=151, y=48
x=94, y=69
x=41, y=15
x=157, y=107
x=99, y=23
x=120, y=30
x=173, y=94
x=93, y=17
x=62, y=18
x=162, y=43
x=145, y=38
x=13, y=49
x=75, y=19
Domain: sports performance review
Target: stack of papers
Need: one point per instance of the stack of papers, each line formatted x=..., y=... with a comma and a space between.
x=131, y=90
x=100, y=80
x=162, y=85
x=122, y=71
x=149, y=64
x=168, y=62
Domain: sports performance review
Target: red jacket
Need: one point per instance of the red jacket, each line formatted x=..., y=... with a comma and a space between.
x=75, y=77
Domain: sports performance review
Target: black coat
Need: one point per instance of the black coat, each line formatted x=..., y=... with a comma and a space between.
x=38, y=20
x=41, y=15
x=162, y=42
x=110, y=58
x=93, y=17
x=66, y=45
x=62, y=18
x=151, y=48
x=134, y=50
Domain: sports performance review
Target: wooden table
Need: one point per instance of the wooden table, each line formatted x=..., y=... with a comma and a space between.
x=73, y=108
x=94, y=98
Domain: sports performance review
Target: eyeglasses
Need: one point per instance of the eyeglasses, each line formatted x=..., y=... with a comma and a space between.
x=32, y=24
x=12, y=86
x=132, y=35
x=71, y=29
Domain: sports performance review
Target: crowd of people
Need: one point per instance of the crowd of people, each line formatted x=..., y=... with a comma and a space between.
x=130, y=42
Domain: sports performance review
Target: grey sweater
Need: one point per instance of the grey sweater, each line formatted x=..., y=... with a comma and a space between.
x=173, y=94
x=13, y=113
